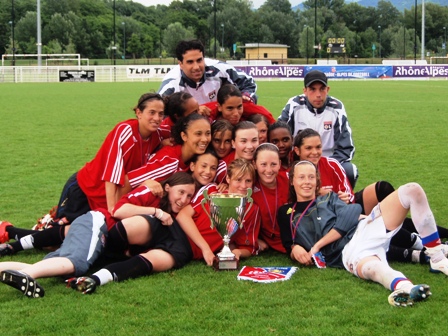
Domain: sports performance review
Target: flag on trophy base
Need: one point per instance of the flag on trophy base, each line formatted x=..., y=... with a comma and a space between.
x=266, y=274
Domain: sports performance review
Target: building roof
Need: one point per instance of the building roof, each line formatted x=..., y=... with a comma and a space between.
x=263, y=45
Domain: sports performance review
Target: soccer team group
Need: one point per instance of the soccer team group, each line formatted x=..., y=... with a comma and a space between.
x=140, y=199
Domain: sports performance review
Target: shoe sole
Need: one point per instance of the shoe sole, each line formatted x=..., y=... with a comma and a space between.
x=23, y=282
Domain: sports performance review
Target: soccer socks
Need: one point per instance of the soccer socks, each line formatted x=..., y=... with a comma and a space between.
x=406, y=255
x=381, y=272
x=39, y=239
x=117, y=240
x=17, y=233
x=134, y=267
x=413, y=197
x=383, y=189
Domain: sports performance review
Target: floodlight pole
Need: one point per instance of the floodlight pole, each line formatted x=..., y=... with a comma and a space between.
x=415, y=32
x=379, y=28
x=12, y=34
x=114, y=46
x=214, y=18
x=39, y=37
x=124, y=40
x=315, y=31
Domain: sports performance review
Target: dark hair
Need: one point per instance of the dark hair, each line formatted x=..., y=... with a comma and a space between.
x=210, y=150
x=175, y=105
x=243, y=166
x=267, y=146
x=256, y=118
x=145, y=99
x=186, y=45
x=276, y=125
x=174, y=180
x=302, y=135
x=221, y=125
x=183, y=124
x=243, y=125
x=292, y=191
x=226, y=91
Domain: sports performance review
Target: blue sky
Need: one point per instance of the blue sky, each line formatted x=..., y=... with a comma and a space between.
x=257, y=3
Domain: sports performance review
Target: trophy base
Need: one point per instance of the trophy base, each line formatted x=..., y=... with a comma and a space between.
x=225, y=264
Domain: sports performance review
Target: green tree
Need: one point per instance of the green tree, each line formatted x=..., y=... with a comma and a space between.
x=173, y=34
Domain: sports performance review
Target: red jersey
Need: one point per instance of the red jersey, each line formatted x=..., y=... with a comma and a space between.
x=165, y=128
x=249, y=109
x=221, y=172
x=161, y=165
x=202, y=221
x=247, y=237
x=268, y=201
x=122, y=151
x=333, y=177
x=141, y=196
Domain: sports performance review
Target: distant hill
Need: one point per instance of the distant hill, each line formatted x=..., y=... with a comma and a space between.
x=399, y=4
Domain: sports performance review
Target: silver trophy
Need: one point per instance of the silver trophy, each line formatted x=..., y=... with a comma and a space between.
x=227, y=212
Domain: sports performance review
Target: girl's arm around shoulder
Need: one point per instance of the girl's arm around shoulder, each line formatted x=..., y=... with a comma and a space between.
x=185, y=220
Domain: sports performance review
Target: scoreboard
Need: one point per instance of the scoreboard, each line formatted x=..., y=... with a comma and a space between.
x=336, y=45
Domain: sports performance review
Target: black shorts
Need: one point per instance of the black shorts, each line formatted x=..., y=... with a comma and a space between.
x=73, y=202
x=171, y=239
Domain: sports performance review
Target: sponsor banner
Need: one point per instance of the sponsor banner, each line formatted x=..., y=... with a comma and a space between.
x=355, y=71
x=273, y=71
x=420, y=71
x=76, y=75
x=148, y=71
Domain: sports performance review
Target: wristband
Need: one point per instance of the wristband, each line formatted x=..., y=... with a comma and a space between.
x=161, y=214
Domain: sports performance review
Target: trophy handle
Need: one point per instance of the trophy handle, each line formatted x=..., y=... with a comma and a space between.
x=205, y=200
x=251, y=202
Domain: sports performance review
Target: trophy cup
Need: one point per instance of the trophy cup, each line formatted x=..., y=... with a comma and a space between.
x=227, y=212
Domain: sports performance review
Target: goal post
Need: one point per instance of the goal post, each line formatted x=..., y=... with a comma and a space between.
x=75, y=57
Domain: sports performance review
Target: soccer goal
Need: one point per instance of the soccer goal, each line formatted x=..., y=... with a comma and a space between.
x=49, y=57
x=438, y=60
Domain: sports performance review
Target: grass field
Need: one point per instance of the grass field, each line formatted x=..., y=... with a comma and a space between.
x=48, y=131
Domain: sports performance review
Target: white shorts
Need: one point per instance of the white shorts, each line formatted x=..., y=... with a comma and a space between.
x=371, y=238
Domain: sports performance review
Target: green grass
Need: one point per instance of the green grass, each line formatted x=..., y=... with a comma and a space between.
x=48, y=131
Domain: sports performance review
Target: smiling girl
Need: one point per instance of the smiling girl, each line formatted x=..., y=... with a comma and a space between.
x=192, y=135
x=269, y=194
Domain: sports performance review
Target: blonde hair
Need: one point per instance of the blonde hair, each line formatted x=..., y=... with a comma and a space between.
x=240, y=167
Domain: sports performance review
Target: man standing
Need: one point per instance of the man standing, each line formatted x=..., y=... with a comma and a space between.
x=202, y=77
x=317, y=110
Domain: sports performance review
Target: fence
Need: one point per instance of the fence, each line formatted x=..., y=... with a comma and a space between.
x=50, y=74
x=142, y=73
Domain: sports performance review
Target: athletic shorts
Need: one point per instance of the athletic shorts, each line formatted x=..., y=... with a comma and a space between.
x=370, y=239
x=73, y=202
x=170, y=239
x=85, y=241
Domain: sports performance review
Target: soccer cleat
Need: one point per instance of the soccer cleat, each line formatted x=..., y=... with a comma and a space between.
x=85, y=285
x=43, y=223
x=6, y=249
x=23, y=282
x=440, y=247
x=401, y=298
x=439, y=267
x=420, y=293
x=4, y=236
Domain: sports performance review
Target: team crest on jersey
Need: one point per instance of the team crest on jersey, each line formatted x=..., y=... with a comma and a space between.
x=212, y=95
x=328, y=125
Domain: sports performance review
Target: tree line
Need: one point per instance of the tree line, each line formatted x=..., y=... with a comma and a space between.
x=87, y=27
